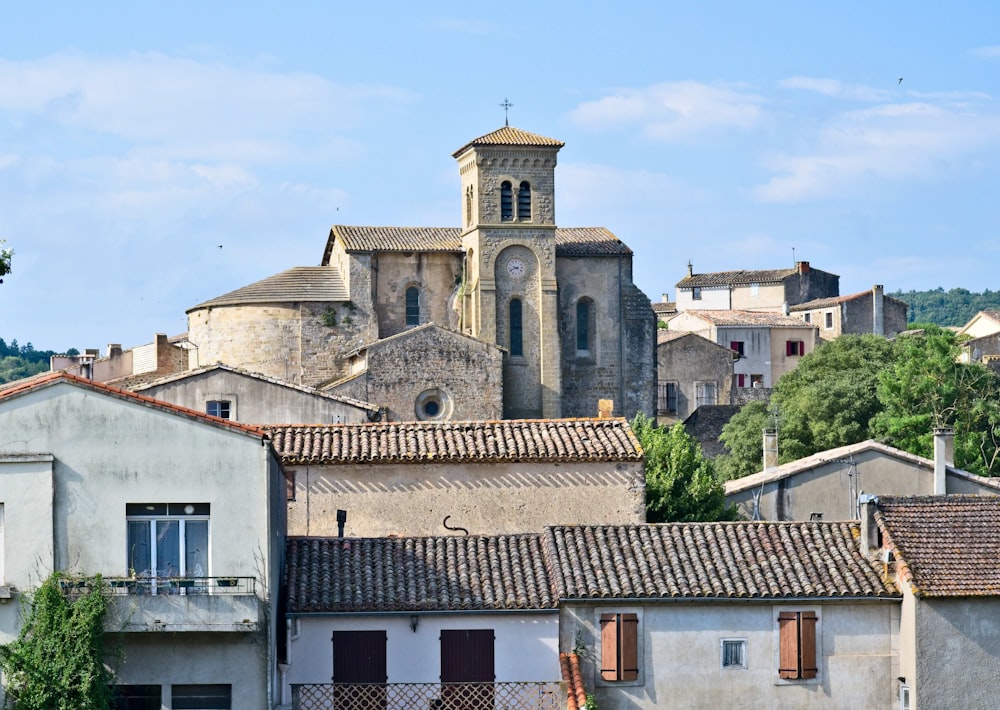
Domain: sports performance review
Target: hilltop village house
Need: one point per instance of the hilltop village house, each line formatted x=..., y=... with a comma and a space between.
x=865, y=312
x=772, y=290
x=560, y=303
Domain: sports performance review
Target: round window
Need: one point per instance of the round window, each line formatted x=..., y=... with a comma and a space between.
x=433, y=404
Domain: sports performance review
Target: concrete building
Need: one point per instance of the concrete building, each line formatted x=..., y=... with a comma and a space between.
x=707, y=615
x=767, y=344
x=827, y=484
x=560, y=302
x=181, y=513
x=860, y=313
x=692, y=371
x=773, y=290
x=426, y=478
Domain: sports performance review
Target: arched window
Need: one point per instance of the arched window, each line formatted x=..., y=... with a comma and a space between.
x=516, y=332
x=584, y=324
x=506, y=201
x=524, y=202
x=413, y=306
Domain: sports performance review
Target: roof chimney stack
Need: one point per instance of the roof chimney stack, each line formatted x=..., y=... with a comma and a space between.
x=605, y=407
x=944, y=456
x=770, y=449
x=878, y=309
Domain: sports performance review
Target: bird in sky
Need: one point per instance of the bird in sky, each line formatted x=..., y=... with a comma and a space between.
x=900, y=81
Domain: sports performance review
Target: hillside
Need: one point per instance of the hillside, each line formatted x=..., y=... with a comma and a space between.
x=947, y=308
x=17, y=361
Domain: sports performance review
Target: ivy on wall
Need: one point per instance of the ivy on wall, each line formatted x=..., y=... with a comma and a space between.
x=59, y=660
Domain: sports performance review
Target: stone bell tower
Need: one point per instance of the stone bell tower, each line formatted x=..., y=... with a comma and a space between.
x=508, y=236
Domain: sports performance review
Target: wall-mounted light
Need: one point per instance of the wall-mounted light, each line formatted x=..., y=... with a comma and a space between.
x=414, y=620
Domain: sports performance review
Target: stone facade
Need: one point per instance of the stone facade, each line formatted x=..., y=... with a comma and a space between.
x=700, y=372
x=866, y=312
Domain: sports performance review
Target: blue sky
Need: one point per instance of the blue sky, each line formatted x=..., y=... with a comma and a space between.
x=136, y=138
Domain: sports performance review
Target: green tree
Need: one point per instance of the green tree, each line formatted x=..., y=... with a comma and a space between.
x=827, y=401
x=929, y=387
x=681, y=485
x=58, y=660
x=6, y=256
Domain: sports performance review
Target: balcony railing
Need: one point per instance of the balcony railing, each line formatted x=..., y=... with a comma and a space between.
x=182, y=585
x=429, y=696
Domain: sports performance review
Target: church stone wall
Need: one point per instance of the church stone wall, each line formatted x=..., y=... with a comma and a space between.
x=495, y=166
x=483, y=498
x=438, y=275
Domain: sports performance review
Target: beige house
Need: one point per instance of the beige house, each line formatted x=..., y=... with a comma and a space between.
x=711, y=615
x=773, y=290
x=559, y=302
x=941, y=553
x=181, y=513
x=980, y=339
x=826, y=485
x=426, y=478
x=865, y=312
x=692, y=371
x=767, y=345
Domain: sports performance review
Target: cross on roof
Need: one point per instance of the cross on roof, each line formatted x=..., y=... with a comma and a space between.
x=506, y=105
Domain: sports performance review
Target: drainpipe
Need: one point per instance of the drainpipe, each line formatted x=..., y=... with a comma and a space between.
x=944, y=456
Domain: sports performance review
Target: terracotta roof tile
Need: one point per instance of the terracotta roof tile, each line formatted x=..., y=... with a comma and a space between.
x=948, y=545
x=508, y=135
x=741, y=277
x=419, y=442
x=768, y=319
x=569, y=665
x=303, y=283
x=712, y=560
x=836, y=301
x=452, y=573
x=572, y=241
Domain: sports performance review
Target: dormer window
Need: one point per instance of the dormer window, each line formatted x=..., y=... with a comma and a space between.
x=506, y=201
x=524, y=202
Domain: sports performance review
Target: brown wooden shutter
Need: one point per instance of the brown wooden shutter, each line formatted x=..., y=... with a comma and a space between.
x=788, y=639
x=609, y=646
x=807, y=644
x=629, y=646
x=359, y=657
x=467, y=655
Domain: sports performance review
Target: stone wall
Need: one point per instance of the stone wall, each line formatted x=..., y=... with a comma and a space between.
x=688, y=360
x=437, y=275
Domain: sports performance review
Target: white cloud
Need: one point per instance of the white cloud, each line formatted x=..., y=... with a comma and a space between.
x=836, y=88
x=992, y=52
x=893, y=142
x=671, y=111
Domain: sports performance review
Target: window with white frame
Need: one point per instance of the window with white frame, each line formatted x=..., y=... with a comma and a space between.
x=734, y=653
x=167, y=539
x=705, y=393
x=218, y=408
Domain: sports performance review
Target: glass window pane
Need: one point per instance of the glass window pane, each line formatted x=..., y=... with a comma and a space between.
x=201, y=697
x=140, y=559
x=196, y=548
x=136, y=697
x=168, y=558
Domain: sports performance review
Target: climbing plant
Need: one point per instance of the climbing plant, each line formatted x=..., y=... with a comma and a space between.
x=59, y=660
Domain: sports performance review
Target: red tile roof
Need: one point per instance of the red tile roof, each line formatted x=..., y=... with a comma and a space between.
x=31, y=384
x=945, y=546
x=508, y=135
x=524, y=440
x=569, y=664
x=741, y=277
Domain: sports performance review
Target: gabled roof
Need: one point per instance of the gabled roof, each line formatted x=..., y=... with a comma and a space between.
x=842, y=453
x=837, y=300
x=447, y=573
x=521, y=440
x=992, y=316
x=420, y=329
x=510, y=136
x=741, y=277
x=749, y=319
x=50, y=379
x=572, y=241
x=665, y=335
x=945, y=546
x=763, y=560
x=302, y=283
x=220, y=367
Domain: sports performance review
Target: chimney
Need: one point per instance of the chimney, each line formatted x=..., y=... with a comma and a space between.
x=770, y=449
x=867, y=505
x=114, y=350
x=665, y=298
x=341, y=522
x=878, y=313
x=803, y=267
x=944, y=456
x=690, y=269
x=604, y=408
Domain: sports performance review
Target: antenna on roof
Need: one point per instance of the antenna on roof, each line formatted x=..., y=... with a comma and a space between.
x=793, y=257
x=506, y=106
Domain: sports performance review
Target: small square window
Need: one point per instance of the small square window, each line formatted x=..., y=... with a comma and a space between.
x=218, y=408
x=807, y=317
x=696, y=294
x=734, y=653
x=828, y=320
x=738, y=347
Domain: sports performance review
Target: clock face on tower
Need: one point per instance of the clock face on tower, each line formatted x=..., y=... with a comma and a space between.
x=516, y=268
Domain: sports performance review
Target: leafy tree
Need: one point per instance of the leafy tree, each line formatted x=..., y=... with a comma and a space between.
x=58, y=660
x=947, y=308
x=928, y=387
x=681, y=485
x=825, y=402
x=6, y=256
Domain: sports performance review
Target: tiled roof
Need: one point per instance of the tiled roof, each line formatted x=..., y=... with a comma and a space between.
x=664, y=308
x=836, y=301
x=765, y=560
x=844, y=453
x=453, y=573
x=736, y=278
x=524, y=440
x=751, y=318
x=569, y=665
x=946, y=546
x=303, y=283
x=49, y=379
x=572, y=241
x=508, y=135
x=664, y=335
x=166, y=379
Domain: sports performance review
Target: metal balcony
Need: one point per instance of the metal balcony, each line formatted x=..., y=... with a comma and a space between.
x=183, y=604
x=430, y=696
